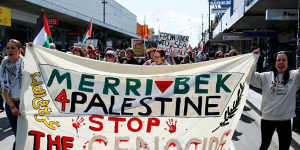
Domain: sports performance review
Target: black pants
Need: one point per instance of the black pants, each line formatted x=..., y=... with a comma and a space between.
x=13, y=120
x=283, y=129
x=1, y=103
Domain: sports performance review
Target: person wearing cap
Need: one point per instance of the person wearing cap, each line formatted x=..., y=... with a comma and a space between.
x=76, y=51
x=219, y=54
x=233, y=52
x=110, y=56
x=130, y=57
x=52, y=46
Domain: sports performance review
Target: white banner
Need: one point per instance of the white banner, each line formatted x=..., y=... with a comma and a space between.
x=70, y=102
x=173, y=42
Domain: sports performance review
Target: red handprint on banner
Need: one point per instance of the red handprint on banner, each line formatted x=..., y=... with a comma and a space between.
x=85, y=145
x=77, y=123
x=172, y=125
x=223, y=143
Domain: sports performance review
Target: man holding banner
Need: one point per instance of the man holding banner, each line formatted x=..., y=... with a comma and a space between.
x=11, y=79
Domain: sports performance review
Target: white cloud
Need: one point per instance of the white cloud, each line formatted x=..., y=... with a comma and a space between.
x=173, y=22
x=171, y=16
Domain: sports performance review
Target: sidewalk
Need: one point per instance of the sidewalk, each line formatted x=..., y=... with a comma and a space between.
x=6, y=134
x=254, y=101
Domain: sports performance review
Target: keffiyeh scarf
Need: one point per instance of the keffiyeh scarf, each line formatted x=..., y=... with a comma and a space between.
x=11, y=74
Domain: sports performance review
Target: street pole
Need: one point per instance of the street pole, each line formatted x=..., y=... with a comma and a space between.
x=296, y=120
x=209, y=32
x=104, y=2
x=202, y=29
x=209, y=28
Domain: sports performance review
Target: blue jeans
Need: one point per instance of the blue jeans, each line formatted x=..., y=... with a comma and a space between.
x=13, y=120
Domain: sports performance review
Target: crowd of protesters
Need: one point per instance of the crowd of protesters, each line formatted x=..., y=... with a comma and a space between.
x=12, y=66
x=152, y=57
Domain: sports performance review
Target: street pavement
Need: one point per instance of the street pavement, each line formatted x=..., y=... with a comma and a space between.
x=246, y=137
x=6, y=134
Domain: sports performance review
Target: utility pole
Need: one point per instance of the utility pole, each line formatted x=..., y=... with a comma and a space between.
x=202, y=29
x=296, y=120
x=209, y=28
x=104, y=2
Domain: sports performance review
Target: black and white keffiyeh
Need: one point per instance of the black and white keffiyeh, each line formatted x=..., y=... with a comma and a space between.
x=11, y=74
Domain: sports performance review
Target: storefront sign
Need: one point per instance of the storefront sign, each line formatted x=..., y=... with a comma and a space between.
x=220, y=2
x=218, y=10
x=74, y=33
x=53, y=21
x=281, y=14
x=259, y=34
x=234, y=38
x=5, y=16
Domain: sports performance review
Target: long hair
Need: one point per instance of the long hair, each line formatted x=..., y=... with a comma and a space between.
x=286, y=74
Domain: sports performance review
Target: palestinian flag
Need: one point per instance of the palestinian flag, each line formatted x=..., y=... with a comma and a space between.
x=42, y=33
x=88, y=33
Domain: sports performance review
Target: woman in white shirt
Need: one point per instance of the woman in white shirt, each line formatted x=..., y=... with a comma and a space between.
x=279, y=88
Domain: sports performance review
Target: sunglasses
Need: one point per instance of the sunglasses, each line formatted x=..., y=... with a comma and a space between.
x=109, y=56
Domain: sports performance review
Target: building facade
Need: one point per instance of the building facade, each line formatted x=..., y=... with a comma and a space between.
x=112, y=23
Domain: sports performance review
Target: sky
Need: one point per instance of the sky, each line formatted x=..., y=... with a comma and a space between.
x=172, y=16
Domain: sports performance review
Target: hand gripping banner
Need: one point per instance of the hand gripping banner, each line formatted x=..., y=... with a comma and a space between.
x=70, y=102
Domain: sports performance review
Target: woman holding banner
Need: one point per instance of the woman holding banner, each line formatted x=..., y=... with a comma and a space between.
x=279, y=88
x=11, y=78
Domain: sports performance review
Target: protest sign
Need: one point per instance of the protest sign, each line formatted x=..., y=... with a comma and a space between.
x=173, y=42
x=93, y=42
x=138, y=47
x=70, y=102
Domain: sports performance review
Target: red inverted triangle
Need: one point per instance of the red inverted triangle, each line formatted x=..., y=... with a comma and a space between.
x=163, y=85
